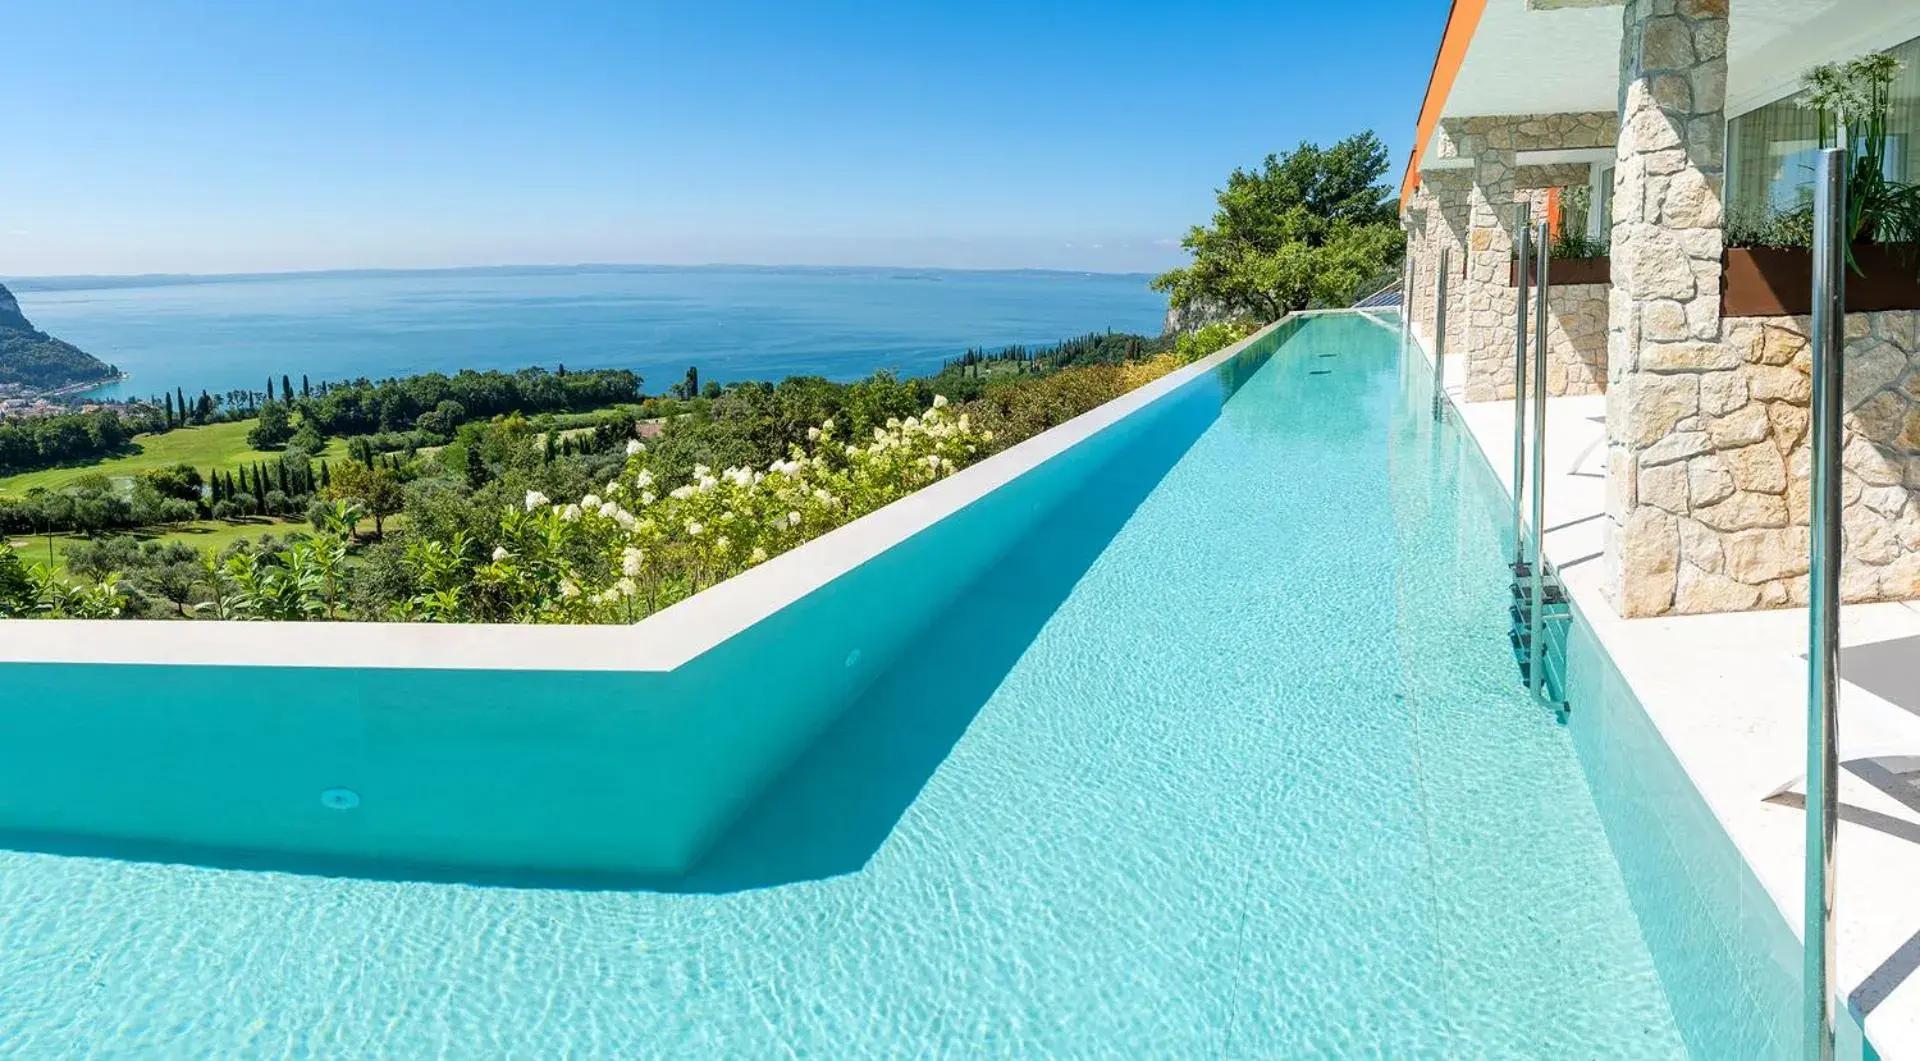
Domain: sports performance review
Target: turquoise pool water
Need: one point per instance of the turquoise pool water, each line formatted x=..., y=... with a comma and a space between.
x=1226, y=759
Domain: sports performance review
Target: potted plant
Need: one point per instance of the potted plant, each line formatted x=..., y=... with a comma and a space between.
x=1575, y=257
x=1769, y=265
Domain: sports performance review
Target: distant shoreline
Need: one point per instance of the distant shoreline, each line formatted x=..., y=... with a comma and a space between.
x=104, y=281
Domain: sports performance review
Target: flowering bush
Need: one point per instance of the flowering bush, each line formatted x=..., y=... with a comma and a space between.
x=637, y=546
x=1194, y=345
x=660, y=526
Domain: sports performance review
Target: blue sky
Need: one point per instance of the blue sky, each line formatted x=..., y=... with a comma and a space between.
x=161, y=136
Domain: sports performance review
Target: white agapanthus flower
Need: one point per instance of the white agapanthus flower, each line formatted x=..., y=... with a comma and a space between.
x=536, y=499
x=500, y=553
x=609, y=510
x=695, y=529
x=723, y=543
x=630, y=561
x=939, y=401
x=643, y=480
x=635, y=447
x=759, y=556
x=590, y=501
x=681, y=493
x=813, y=434
x=647, y=497
x=793, y=519
x=568, y=589
x=570, y=513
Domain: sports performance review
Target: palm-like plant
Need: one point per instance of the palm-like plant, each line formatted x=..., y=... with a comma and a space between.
x=1854, y=101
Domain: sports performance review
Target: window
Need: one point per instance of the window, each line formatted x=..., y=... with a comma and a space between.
x=1771, y=151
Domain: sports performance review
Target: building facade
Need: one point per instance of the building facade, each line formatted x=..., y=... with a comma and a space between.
x=1667, y=144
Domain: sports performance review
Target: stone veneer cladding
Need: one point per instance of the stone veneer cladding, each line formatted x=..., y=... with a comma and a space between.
x=1664, y=331
x=1734, y=482
x=1484, y=300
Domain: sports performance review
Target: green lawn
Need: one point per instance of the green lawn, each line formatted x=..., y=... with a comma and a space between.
x=213, y=447
x=201, y=534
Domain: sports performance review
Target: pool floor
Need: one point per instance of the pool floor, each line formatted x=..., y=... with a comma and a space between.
x=1229, y=762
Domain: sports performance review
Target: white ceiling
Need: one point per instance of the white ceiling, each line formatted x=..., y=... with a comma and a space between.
x=1567, y=60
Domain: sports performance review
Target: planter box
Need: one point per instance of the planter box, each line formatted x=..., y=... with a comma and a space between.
x=1772, y=282
x=1564, y=271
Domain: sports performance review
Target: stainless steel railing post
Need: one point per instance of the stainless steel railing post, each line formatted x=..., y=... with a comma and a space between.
x=1406, y=299
x=1521, y=214
x=1440, y=333
x=1543, y=253
x=1823, y=621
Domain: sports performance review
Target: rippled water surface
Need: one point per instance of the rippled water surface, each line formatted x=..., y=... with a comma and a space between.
x=1226, y=762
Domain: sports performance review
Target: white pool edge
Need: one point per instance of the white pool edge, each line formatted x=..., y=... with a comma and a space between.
x=661, y=642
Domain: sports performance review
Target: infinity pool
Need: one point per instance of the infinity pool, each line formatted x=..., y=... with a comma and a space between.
x=1227, y=759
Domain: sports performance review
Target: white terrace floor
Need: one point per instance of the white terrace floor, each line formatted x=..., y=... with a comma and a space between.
x=1728, y=693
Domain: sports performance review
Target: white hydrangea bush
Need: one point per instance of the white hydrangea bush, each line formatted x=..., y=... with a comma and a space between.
x=634, y=547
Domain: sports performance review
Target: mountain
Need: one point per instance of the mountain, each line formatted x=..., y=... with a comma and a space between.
x=33, y=358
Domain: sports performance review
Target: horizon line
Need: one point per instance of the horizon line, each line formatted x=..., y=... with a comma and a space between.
x=548, y=267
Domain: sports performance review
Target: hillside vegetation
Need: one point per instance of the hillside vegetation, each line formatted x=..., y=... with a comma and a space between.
x=32, y=358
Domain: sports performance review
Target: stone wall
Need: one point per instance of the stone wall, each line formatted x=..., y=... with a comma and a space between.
x=1666, y=352
x=1576, y=347
x=1728, y=487
x=1437, y=212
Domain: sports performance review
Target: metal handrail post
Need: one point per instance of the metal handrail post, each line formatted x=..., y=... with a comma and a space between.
x=1823, y=594
x=1406, y=299
x=1521, y=215
x=1543, y=253
x=1440, y=332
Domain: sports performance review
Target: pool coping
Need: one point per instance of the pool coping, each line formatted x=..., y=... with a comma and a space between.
x=663, y=641
x=1726, y=694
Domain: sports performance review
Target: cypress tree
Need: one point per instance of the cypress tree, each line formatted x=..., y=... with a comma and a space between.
x=326, y=476
x=286, y=483
x=286, y=389
x=306, y=389
x=169, y=410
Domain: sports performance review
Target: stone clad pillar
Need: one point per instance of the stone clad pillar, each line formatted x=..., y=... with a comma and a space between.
x=1486, y=292
x=1676, y=396
x=1447, y=214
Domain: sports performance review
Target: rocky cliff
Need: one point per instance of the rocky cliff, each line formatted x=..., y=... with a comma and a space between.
x=32, y=358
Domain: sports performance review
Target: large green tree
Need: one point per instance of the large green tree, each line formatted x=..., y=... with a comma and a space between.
x=1308, y=227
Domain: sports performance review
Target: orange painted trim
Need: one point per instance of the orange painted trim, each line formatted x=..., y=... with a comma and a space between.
x=1462, y=20
x=1554, y=216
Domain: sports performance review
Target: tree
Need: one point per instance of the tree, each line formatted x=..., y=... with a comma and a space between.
x=274, y=427
x=16, y=588
x=375, y=489
x=1307, y=228
x=477, y=475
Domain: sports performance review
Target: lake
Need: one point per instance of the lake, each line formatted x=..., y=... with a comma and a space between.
x=224, y=333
